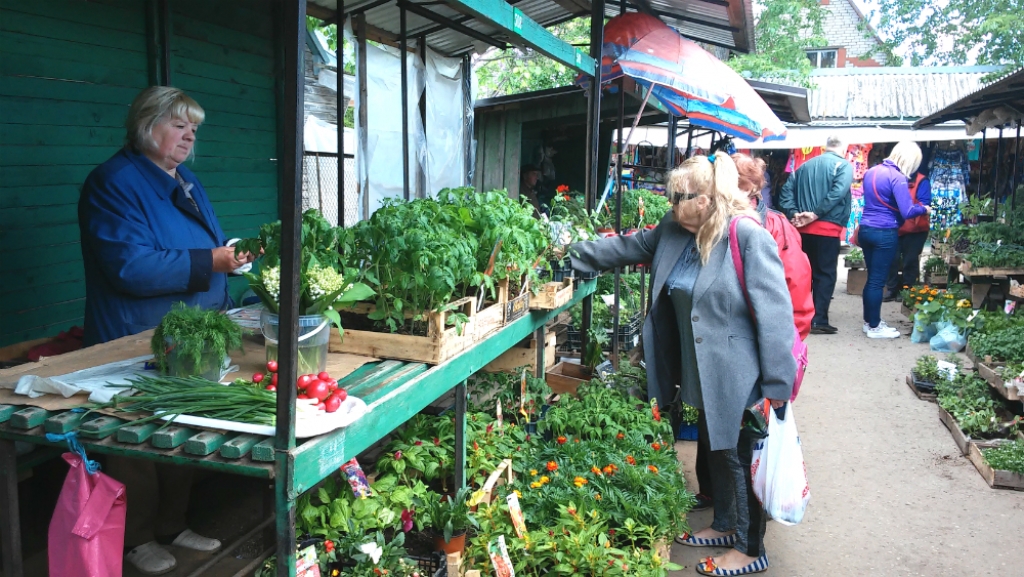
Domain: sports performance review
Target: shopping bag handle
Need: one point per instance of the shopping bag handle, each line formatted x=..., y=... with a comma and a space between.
x=94, y=514
x=92, y=467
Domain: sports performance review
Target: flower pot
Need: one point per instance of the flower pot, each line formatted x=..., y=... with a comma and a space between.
x=210, y=364
x=314, y=336
x=456, y=545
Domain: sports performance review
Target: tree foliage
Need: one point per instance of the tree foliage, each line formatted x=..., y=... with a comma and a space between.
x=518, y=70
x=955, y=31
x=784, y=29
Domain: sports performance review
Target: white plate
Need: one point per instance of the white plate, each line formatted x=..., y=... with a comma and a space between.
x=309, y=422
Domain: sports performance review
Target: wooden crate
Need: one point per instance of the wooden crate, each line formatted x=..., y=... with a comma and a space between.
x=907, y=311
x=995, y=479
x=971, y=271
x=853, y=264
x=936, y=280
x=855, y=281
x=440, y=344
x=991, y=373
x=521, y=356
x=566, y=377
x=962, y=441
x=552, y=295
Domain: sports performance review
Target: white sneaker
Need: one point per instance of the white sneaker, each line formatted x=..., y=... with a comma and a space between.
x=151, y=559
x=881, y=324
x=191, y=540
x=882, y=331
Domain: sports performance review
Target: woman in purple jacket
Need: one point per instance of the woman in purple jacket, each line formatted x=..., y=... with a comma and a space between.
x=887, y=204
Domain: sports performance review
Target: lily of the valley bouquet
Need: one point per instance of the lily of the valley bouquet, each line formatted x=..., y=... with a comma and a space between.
x=323, y=284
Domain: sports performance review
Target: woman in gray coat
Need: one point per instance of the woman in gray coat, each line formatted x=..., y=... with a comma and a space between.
x=701, y=345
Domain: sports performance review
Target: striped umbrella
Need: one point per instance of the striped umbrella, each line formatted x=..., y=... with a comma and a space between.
x=684, y=77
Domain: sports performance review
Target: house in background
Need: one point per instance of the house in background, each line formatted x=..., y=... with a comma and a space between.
x=852, y=41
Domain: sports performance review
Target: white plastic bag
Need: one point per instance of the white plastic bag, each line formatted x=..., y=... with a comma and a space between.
x=778, y=471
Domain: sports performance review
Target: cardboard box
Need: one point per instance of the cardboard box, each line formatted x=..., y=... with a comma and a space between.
x=855, y=281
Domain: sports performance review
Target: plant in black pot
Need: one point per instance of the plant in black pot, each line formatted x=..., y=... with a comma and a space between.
x=447, y=519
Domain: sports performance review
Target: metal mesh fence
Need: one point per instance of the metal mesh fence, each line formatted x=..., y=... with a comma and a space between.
x=320, y=186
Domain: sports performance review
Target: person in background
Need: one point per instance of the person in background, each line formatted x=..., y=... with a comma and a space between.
x=887, y=205
x=816, y=199
x=912, y=235
x=798, y=281
x=150, y=239
x=704, y=347
x=529, y=176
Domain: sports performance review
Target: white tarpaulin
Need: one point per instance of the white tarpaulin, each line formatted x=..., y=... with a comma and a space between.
x=320, y=136
x=445, y=156
x=383, y=159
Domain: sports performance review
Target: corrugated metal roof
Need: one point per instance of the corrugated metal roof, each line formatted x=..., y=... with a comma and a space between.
x=701, y=20
x=1007, y=91
x=890, y=93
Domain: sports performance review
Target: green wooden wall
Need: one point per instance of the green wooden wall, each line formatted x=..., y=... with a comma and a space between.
x=68, y=72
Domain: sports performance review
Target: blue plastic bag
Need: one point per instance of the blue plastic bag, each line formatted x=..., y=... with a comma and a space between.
x=949, y=339
x=923, y=330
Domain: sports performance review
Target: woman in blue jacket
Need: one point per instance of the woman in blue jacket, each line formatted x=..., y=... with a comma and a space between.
x=150, y=239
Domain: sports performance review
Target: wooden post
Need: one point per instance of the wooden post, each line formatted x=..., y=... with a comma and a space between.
x=342, y=110
x=291, y=42
x=10, y=528
x=593, y=137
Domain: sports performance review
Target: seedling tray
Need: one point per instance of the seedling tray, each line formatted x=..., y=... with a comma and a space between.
x=995, y=478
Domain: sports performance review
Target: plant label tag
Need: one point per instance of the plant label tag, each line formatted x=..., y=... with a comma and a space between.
x=608, y=300
x=1009, y=306
x=948, y=369
x=516, y=512
x=498, y=552
x=306, y=564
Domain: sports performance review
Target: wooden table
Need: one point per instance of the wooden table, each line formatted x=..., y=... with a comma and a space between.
x=394, y=391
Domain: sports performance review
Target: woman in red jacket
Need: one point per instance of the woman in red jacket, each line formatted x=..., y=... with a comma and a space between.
x=798, y=279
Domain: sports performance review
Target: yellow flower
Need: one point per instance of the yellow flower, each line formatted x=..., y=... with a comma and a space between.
x=918, y=299
x=931, y=299
x=535, y=485
x=544, y=480
x=579, y=481
x=597, y=496
x=518, y=493
x=934, y=292
x=533, y=472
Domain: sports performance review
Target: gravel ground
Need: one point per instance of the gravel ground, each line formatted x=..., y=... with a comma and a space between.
x=890, y=492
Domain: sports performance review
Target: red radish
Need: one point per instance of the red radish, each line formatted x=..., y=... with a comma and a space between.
x=341, y=393
x=303, y=396
x=321, y=406
x=324, y=376
x=318, y=389
x=332, y=403
x=272, y=366
x=257, y=378
x=304, y=381
x=271, y=388
x=273, y=379
x=333, y=384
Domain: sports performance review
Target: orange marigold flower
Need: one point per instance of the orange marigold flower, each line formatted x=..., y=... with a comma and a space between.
x=595, y=470
x=579, y=481
x=620, y=436
x=551, y=466
x=597, y=496
x=652, y=469
x=535, y=485
x=630, y=459
x=656, y=446
x=577, y=440
x=561, y=440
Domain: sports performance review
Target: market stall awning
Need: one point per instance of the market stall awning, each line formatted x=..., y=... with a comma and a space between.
x=718, y=23
x=685, y=78
x=805, y=136
x=994, y=105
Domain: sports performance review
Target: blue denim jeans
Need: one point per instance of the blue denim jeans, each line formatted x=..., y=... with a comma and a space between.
x=879, y=246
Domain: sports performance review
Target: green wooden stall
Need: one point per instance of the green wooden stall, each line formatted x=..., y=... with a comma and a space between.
x=68, y=73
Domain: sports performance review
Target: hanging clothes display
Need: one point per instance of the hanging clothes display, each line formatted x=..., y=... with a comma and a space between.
x=801, y=155
x=948, y=172
x=858, y=155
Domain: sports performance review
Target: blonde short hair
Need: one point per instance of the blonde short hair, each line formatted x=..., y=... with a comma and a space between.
x=907, y=156
x=717, y=178
x=154, y=105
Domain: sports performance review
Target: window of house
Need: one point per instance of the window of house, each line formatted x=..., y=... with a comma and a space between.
x=822, y=58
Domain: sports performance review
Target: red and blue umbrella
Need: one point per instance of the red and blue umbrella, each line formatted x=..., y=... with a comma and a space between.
x=685, y=78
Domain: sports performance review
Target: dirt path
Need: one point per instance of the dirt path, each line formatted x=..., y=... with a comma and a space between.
x=890, y=493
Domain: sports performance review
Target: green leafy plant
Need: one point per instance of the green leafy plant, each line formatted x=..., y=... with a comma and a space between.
x=1002, y=345
x=1006, y=457
x=855, y=255
x=446, y=516
x=191, y=333
x=488, y=389
x=927, y=369
x=975, y=207
x=654, y=208
x=935, y=265
x=969, y=400
x=325, y=283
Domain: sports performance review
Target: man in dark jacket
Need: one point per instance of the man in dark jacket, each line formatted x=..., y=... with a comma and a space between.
x=816, y=199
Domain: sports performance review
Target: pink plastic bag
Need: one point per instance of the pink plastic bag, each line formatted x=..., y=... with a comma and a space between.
x=86, y=537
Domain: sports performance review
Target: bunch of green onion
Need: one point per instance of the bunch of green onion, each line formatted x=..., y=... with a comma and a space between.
x=169, y=397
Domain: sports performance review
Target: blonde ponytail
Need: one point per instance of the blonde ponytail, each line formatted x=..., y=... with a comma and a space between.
x=726, y=201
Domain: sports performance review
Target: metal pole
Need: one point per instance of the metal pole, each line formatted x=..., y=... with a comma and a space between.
x=342, y=110
x=593, y=138
x=689, y=141
x=995, y=172
x=617, y=163
x=1014, y=173
x=460, y=435
x=981, y=163
x=467, y=128
x=10, y=527
x=362, y=145
x=421, y=172
x=292, y=43
x=402, y=47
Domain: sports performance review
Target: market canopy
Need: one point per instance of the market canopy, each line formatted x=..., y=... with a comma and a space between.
x=685, y=78
x=994, y=105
